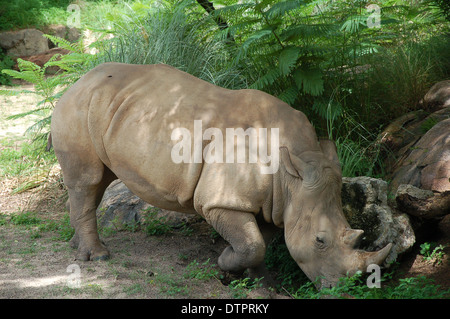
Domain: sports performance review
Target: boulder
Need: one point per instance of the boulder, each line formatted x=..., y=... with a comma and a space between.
x=120, y=207
x=417, y=144
x=62, y=31
x=25, y=42
x=422, y=203
x=365, y=205
x=437, y=97
x=426, y=164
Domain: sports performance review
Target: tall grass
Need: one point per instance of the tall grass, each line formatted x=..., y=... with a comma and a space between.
x=168, y=35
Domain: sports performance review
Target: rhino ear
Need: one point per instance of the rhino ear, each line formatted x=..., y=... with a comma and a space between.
x=329, y=149
x=293, y=165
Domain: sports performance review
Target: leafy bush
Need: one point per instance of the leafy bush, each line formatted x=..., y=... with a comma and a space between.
x=5, y=63
x=32, y=13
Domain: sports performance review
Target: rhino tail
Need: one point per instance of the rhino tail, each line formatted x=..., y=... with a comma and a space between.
x=49, y=142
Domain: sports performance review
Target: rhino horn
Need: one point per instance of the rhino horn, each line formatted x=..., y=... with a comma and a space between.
x=352, y=237
x=377, y=257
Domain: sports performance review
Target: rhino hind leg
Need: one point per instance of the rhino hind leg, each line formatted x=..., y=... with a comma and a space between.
x=86, y=178
x=247, y=247
x=83, y=205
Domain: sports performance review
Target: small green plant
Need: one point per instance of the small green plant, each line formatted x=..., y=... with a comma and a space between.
x=154, y=225
x=241, y=287
x=432, y=252
x=202, y=271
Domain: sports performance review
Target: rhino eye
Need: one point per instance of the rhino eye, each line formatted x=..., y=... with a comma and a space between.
x=321, y=240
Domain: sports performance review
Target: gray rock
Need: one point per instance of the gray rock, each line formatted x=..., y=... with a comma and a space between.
x=437, y=97
x=427, y=165
x=62, y=31
x=23, y=42
x=120, y=207
x=364, y=201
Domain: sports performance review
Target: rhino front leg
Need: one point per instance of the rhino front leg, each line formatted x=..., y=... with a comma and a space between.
x=241, y=230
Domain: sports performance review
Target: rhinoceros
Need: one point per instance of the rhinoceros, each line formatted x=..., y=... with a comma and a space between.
x=119, y=121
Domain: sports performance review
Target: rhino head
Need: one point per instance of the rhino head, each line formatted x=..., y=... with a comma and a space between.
x=317, y=234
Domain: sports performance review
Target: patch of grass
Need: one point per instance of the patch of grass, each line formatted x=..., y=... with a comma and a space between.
x=133, y=289
x=168, y=284
x=25, y=218
x=154, y=225
x=27, y=163
x=37, y=225
x=204, y=271
x=241, y=287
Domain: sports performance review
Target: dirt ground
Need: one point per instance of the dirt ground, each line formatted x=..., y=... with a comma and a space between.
x=180, y=264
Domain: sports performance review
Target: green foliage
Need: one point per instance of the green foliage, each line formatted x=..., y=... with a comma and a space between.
x=25, y=218
x=241, y=287
x=3, y=219
x=204, y=271
x=355, y=287
x=332, y=59
x=154, y=225
x=24, y=160
x=432, y=252
x=444, y=6
x=32, y=13
x=5, y=63
x=38, y=225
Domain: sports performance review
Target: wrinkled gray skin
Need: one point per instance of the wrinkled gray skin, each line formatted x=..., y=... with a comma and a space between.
x=116, y=122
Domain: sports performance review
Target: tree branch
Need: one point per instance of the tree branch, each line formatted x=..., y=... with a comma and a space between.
x=209, y=7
